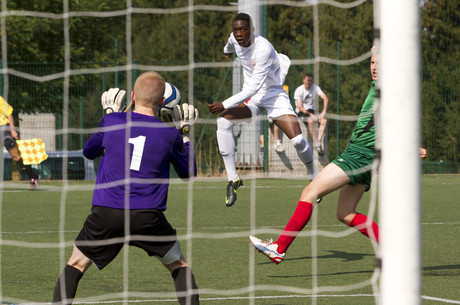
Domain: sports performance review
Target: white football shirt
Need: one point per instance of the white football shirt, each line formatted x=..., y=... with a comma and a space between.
x=307, y=96
x=262, y=66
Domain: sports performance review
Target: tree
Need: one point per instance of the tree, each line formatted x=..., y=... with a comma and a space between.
x=440, y=32
x=440, y=36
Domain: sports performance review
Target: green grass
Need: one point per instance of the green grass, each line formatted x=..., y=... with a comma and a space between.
x=221, y=263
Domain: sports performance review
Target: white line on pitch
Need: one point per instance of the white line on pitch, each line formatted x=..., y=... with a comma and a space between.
x=441, y=300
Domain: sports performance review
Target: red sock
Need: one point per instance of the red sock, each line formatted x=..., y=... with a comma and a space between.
x=297, y=222
x=360, y=221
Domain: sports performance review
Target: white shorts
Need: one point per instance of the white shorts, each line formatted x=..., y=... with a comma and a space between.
x=274, y=100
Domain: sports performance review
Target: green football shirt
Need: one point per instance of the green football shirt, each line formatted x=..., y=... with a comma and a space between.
x=363, y=135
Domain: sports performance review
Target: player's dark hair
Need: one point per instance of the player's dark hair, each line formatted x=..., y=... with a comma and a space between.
x=309, y=75
x=242, y=16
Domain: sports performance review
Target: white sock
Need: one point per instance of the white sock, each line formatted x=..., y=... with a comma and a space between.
x=227, y=146
x=303, y=150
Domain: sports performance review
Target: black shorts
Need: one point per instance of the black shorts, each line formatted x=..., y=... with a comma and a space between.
x=305, y=116
x=101, y=237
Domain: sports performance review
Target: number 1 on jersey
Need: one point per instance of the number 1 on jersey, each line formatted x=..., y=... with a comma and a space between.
x=138, y=151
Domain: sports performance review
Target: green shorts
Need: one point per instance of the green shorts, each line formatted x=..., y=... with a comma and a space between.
x=356, y=163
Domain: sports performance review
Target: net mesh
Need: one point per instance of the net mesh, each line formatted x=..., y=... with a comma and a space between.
x=189, y=75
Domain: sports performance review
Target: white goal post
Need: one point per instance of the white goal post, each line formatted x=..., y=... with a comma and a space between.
x=399, y=80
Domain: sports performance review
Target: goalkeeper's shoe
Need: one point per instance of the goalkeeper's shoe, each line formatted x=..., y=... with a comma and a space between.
x=34, y=182
x=268, y=248
x=231, y=191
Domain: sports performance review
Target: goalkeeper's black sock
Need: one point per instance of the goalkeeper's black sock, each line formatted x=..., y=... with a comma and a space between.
x=180, y=280
x=69, y=278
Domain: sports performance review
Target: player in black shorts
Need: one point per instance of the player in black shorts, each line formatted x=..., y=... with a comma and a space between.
x=151, y=146
x=305, y=101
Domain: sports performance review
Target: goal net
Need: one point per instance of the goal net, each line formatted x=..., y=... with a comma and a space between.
x=87, y=47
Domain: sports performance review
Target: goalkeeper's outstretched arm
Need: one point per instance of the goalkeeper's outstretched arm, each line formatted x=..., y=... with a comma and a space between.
x=111, y=100
x=185, y=115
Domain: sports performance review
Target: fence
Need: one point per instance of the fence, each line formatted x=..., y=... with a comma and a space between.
x=346, y=87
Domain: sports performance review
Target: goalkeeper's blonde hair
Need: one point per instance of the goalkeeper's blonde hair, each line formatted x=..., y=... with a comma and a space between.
x=149, y=89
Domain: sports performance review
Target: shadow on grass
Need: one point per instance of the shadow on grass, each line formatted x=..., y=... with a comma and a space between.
x=284, y=158
x=321, y=274
x=445, y=270
x=344, y=256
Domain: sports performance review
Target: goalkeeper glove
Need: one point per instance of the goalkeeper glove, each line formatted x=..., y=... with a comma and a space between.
x=111, y=100
x=184, y=116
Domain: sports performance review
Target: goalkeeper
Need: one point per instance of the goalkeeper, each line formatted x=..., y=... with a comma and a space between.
x=137, y=150
x=10, y=135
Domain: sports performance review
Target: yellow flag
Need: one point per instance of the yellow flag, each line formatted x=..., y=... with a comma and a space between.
x=32, y=151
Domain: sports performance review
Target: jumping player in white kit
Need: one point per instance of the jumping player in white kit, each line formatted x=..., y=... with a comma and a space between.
x=264, y=73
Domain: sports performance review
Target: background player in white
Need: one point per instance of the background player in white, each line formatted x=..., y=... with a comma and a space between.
x=304, y=96
x=151, y=147
x=264, y=73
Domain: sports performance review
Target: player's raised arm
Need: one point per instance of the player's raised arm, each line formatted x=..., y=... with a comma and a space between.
x=185, y=116
x=111, y=102
x=93, y=147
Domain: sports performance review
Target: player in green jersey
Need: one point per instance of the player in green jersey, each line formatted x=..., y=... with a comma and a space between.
x=350, y=173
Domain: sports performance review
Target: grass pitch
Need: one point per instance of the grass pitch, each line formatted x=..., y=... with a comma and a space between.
x=331, y=268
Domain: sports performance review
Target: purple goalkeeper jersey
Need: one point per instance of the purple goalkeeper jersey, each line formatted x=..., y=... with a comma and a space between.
x=136, y=160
